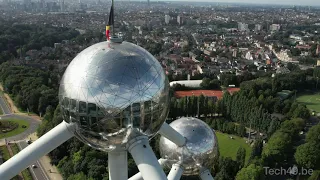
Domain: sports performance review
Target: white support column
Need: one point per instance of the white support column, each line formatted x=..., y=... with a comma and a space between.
x=118, y=165
x=175, y=172
x=205, y=175
x=145, y=159
x=138, y=176
x=36, y=150
x=168, y=132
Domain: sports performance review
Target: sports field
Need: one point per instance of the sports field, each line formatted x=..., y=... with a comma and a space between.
x=228, y=147
x=312, y=101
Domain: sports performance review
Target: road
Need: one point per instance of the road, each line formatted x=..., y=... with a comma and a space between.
x=4, y=106
x=37, y=173
x=34, y=124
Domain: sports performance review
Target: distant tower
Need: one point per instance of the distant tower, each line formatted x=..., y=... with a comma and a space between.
x=62, y=6
x=167, y=19
x=148, y=2
x=179, y=20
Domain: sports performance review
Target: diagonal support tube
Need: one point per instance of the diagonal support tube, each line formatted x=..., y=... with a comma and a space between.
x=51, y=140
x=205, y=174
x=145, y=159
x=175, y=172
x=138, y=176
x=118, y=165
x=168, y=132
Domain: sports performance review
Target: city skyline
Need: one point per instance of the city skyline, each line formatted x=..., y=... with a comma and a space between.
x=285, y=2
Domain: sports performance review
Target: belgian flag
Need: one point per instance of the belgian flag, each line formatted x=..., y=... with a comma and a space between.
x=110, y=22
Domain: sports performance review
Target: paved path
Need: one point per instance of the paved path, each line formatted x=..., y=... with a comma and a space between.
x=4, y=106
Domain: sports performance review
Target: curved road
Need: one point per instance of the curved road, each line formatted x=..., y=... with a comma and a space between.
x=33, y=125
x=37, y=173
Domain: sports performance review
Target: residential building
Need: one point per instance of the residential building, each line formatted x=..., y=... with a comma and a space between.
x=243, y=27
x=180, y=20
x=258, y=27
x=275, y=27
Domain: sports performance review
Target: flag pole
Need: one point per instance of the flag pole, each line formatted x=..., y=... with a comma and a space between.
x=113, y=18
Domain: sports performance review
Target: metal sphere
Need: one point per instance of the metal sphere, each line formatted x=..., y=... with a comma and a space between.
x=201, y=148
x=114, y=92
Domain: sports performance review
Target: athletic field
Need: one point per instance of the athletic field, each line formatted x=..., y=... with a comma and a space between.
x=228, y=147
x=312, y=101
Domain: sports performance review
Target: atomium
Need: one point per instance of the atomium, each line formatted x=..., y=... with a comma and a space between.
x=200, y=150
x=114, y=92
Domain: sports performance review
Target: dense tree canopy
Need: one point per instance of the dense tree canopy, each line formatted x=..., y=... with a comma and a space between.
x=308, y=154
x=252, y=172
x=280, y=147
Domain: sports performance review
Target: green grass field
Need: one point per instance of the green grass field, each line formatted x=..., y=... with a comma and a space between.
x=228, y=147
x=16, y=131
x=312, y=101
x=5, y=153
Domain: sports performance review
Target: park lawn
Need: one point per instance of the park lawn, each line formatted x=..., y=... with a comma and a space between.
x=5, y=153
x=16, y=131
x=228, y=147
x=312, y=101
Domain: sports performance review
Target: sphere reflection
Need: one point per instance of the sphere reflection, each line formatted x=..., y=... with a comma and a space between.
x=201, y=148
x=114, y=92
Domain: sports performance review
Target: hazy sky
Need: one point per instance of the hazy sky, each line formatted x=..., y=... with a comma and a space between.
x=287, y=2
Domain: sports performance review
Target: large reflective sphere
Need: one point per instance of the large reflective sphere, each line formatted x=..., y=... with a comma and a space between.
x=200, y=150
x=114, y=92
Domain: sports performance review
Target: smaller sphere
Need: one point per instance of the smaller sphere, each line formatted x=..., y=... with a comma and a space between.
x=201, y=148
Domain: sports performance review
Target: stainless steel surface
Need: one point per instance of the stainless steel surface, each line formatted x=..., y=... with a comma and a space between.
x=114, y=92
x=200, y=150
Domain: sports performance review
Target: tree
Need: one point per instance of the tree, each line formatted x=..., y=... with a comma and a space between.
x=241, y=131
x=78, y=176
x=205, y=83
x=313, y=134
x=278, y=148
x=228, y=169
x=274, y=125
x=256, y=149
x=241, y=157
x=301, y=111
x=252, y=172
x=292, y=67
x=315, y=175
x=308, y=155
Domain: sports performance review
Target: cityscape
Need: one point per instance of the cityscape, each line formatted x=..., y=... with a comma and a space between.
x=249, y=71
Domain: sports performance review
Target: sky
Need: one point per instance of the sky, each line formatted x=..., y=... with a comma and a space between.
x=285, y=2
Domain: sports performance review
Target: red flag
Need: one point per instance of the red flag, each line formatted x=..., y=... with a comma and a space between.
x=108, y=32
x=110, y=22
